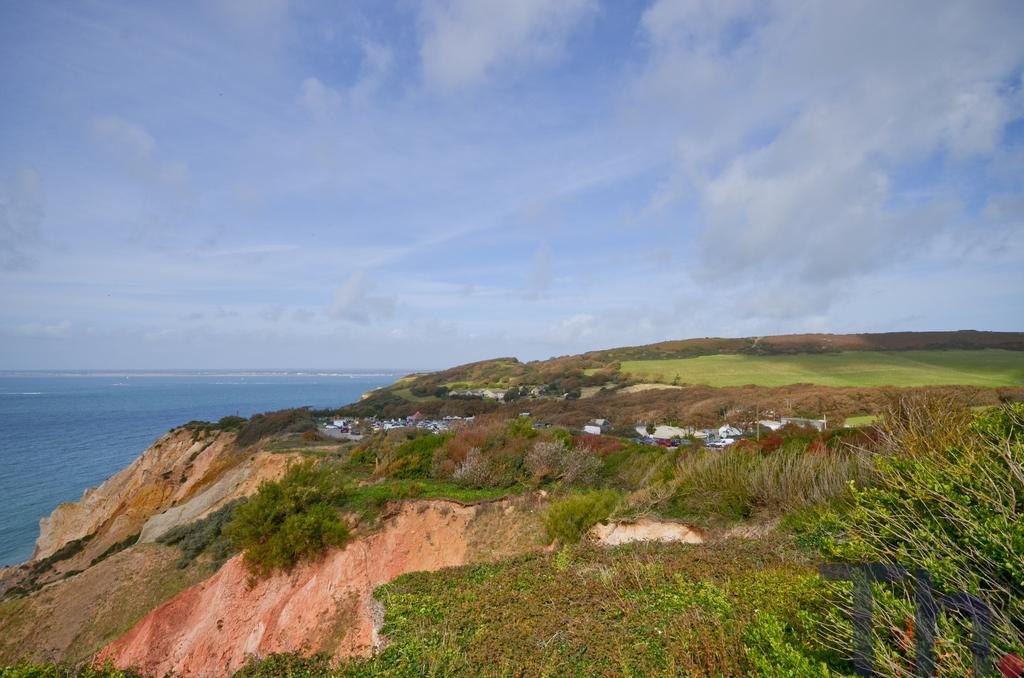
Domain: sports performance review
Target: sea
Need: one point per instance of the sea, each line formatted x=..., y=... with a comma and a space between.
x=61, y=433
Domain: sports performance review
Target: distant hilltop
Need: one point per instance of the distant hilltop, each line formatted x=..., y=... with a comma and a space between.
x=813, y=366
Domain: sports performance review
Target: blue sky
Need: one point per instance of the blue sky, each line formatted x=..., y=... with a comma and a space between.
x=287, y=183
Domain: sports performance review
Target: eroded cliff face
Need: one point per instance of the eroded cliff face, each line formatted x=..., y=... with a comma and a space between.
x=69, y=620
x=324, y=606
x=180, y=478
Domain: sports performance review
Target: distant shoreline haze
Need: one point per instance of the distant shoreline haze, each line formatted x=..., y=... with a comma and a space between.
x=63, y=431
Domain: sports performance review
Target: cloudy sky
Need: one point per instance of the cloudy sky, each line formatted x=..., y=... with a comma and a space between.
x=289, y=183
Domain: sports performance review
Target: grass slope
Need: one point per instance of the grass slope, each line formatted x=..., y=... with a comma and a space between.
x=853, y=368
x=642, y=610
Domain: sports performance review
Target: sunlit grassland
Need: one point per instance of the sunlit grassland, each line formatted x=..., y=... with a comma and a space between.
x=990, y=367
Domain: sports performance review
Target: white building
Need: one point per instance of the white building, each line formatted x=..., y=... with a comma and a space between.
x=819, y=424
x=728, y=432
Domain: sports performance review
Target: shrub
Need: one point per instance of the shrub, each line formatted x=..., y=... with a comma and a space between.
x=544, y=460
x=288, y=665
x=291, y=519
x=580, y=466
x=262, y=426
x=24, y=669
x=411, y=459
x=204, y=535
x=568, y=519
x=952, y=502
x=489, y=453
x=735, y=483
x=475, y=469
x=231, y=423
x=550, y=460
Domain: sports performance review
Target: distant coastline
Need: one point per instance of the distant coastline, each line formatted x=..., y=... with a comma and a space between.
x=352, y=373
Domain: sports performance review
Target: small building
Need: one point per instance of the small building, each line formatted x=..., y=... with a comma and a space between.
x=665, y=432
x=728, y=431
x=592, y=429
x=818, y=424
x=770, y=424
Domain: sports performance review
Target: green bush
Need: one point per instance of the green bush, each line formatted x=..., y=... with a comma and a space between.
x=739, y=482
x=952, y=503
x=231, y=423
x=291, y=519
x=260, y=426
x=568, y=519
x=25, y=669
x=204, y=535
x=412, y=459
x=288, y=665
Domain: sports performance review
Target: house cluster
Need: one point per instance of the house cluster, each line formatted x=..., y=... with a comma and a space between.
x=351, y=429
x=482, y=393
x=418, y=421
x=775, y=425
x=671, y=436
x=715, y=438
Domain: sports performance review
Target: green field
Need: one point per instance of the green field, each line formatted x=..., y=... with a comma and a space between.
x=989, y=367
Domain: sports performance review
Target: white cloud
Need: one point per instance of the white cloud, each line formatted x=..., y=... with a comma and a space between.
x=572, y=329
x=124, y=136
x=137, y=151
x=792, y=123
x=324, y=102
x=465, y=41
x=355, y=302
x=320, y=100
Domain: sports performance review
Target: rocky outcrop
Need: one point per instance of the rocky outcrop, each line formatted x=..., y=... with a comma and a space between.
x=323, y=606
x=644, y=529
x=166, y=473
x=241, y=481
x=179, y=479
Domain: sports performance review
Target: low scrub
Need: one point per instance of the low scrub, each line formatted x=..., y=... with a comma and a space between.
x=116, y=548
x=731, y=609
x=53, y=670
x=294, y=518
x=206, y=535
x=260, y=426
x=411, y=459
x=716, y=487
x=948, y=498
x=567, y=520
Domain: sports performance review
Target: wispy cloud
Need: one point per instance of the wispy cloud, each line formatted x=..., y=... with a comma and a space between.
x=466, y=41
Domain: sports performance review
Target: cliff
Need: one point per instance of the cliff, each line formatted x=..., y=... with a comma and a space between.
x=183, y=476
x=322, y=606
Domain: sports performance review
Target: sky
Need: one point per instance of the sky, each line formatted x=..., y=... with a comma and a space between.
x=295, y=183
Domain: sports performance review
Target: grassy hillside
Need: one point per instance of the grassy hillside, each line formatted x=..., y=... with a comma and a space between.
x=810, y=374
x=989, y=367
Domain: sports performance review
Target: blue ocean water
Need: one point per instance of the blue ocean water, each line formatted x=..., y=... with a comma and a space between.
x=60, y=434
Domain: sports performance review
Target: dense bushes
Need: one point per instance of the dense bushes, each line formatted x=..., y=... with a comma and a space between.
x=489, y=453
x=53, y=670
x=294, y=518
x=204, y=535
x=261, y=426
x=949, y=498
x=737, y=483
x=568, y=520
x=411, y=459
